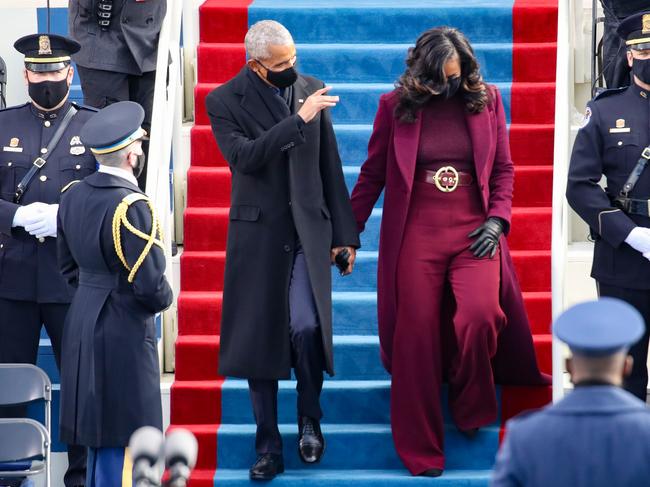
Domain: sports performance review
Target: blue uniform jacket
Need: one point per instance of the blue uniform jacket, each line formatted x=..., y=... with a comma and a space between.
x=28, y=267
x=597, y=436
x=614, y=134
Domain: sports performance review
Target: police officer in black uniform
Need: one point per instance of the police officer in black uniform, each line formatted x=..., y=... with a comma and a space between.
x=119, y=47
x=614, y=142
x=40, y=153
x=110, y=249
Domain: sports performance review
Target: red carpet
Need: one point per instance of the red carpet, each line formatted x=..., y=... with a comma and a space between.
x=196, y=394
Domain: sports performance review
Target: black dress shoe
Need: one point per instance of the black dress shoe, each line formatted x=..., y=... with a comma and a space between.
x=432, y=472
x=266, y=467
x=311, y=443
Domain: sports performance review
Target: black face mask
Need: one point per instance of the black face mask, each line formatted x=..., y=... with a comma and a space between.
x=281, y=79
x=641, y=69
x=139, y=167
x=453, y=84
x=48, y=94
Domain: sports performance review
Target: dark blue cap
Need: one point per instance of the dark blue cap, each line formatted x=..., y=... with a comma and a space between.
x=114, y=127
x=601, y=327
x=635, y=31
x=46, y=52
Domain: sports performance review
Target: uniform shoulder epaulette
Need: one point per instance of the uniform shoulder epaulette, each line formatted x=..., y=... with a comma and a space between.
x=78, y=106
x=609, y=92
x=69, y=185
x=14, y=107
x=152, y=238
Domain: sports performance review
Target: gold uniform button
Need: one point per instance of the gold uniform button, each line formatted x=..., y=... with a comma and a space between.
x=43, y=150
x=43, y=178
x=47, y=123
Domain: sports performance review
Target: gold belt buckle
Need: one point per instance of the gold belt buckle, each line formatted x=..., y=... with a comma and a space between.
x=444, y=182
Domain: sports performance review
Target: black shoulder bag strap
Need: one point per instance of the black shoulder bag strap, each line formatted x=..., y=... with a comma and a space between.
x=39, y=162
x=634, y=176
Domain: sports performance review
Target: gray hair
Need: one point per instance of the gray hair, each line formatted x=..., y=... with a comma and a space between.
x=115, y=159
x=263, y=34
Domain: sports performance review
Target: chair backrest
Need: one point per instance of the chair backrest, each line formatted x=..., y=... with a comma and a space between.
x=22, y=439
x=23, y=383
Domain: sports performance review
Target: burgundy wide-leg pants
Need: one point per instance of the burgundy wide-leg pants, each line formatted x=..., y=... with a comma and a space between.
x=435, y=254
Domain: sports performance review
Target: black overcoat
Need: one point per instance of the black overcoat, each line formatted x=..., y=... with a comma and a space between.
x=287, y=186
x=110, y=380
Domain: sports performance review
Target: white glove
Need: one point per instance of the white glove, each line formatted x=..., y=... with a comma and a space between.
x=45, y=225
x=639, y=239
x=28, y=214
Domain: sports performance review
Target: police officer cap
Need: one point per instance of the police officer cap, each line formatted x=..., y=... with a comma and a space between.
x=635, y=30
x=601, y=327
x=114, y=127
x=46, y=52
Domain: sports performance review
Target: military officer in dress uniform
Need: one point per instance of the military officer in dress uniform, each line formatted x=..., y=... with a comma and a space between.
x=615, y=142
x=110, y=250
x=119, y=48
x=40, y=153
x=599, y=434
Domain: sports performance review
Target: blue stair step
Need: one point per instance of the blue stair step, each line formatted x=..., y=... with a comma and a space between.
x=352, y=140
x=376, y=63
x=356, y=446
x=342, y=401
x=385, y=21
x=360, y=478
x=354, y=313
x=356, y=357
x=359, y=101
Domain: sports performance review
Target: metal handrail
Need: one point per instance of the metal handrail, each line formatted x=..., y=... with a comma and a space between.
x=165, y=131
x=560, y=223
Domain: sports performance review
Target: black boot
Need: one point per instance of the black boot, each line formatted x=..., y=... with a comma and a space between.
x=311, y=444
x=266, y=467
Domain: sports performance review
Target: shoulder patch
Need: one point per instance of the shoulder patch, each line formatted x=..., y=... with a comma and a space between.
x=133, y=197
x=610, y=92
x=69, y=185
x=586, y=118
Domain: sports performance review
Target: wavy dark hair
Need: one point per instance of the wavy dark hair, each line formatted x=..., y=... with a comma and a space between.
x=425, y=77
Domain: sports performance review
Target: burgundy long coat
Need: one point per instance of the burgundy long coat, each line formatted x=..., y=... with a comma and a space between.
x=392, y=153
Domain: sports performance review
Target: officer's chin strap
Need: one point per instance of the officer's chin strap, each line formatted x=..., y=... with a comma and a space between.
x=120, y=218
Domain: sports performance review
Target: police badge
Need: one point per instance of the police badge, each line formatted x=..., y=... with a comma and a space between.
x=44, y=46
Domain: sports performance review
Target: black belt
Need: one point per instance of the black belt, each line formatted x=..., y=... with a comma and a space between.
x=633, y=206
x=103, y=280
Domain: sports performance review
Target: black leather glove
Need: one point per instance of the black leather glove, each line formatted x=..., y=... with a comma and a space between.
x=487, y=241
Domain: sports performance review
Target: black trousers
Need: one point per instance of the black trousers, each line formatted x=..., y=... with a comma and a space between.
x=308, y=361
x=102, y=88
x=637, y=382
x=20, y=332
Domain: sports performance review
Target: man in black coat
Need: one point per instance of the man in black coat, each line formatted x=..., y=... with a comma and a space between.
x=119, y=49
x=613, y=141
x=32, y=291
x=290, y=216
x=110, y=250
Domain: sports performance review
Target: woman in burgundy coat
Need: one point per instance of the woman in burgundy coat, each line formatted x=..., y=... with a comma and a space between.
x=439, y=149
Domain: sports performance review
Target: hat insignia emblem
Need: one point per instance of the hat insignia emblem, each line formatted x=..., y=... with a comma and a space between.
x=14, y=142
x=44, y=46
x=646, y=24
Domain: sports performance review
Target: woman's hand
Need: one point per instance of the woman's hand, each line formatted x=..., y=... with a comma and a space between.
x=487, y=241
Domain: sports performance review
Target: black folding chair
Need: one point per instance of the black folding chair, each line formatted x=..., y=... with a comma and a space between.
x=22, y=439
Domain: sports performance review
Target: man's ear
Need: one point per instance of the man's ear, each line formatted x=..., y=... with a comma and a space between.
x=70, y=75
x=25, y=75
x=630, y=58
x=629, y=364
x=254, y=65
